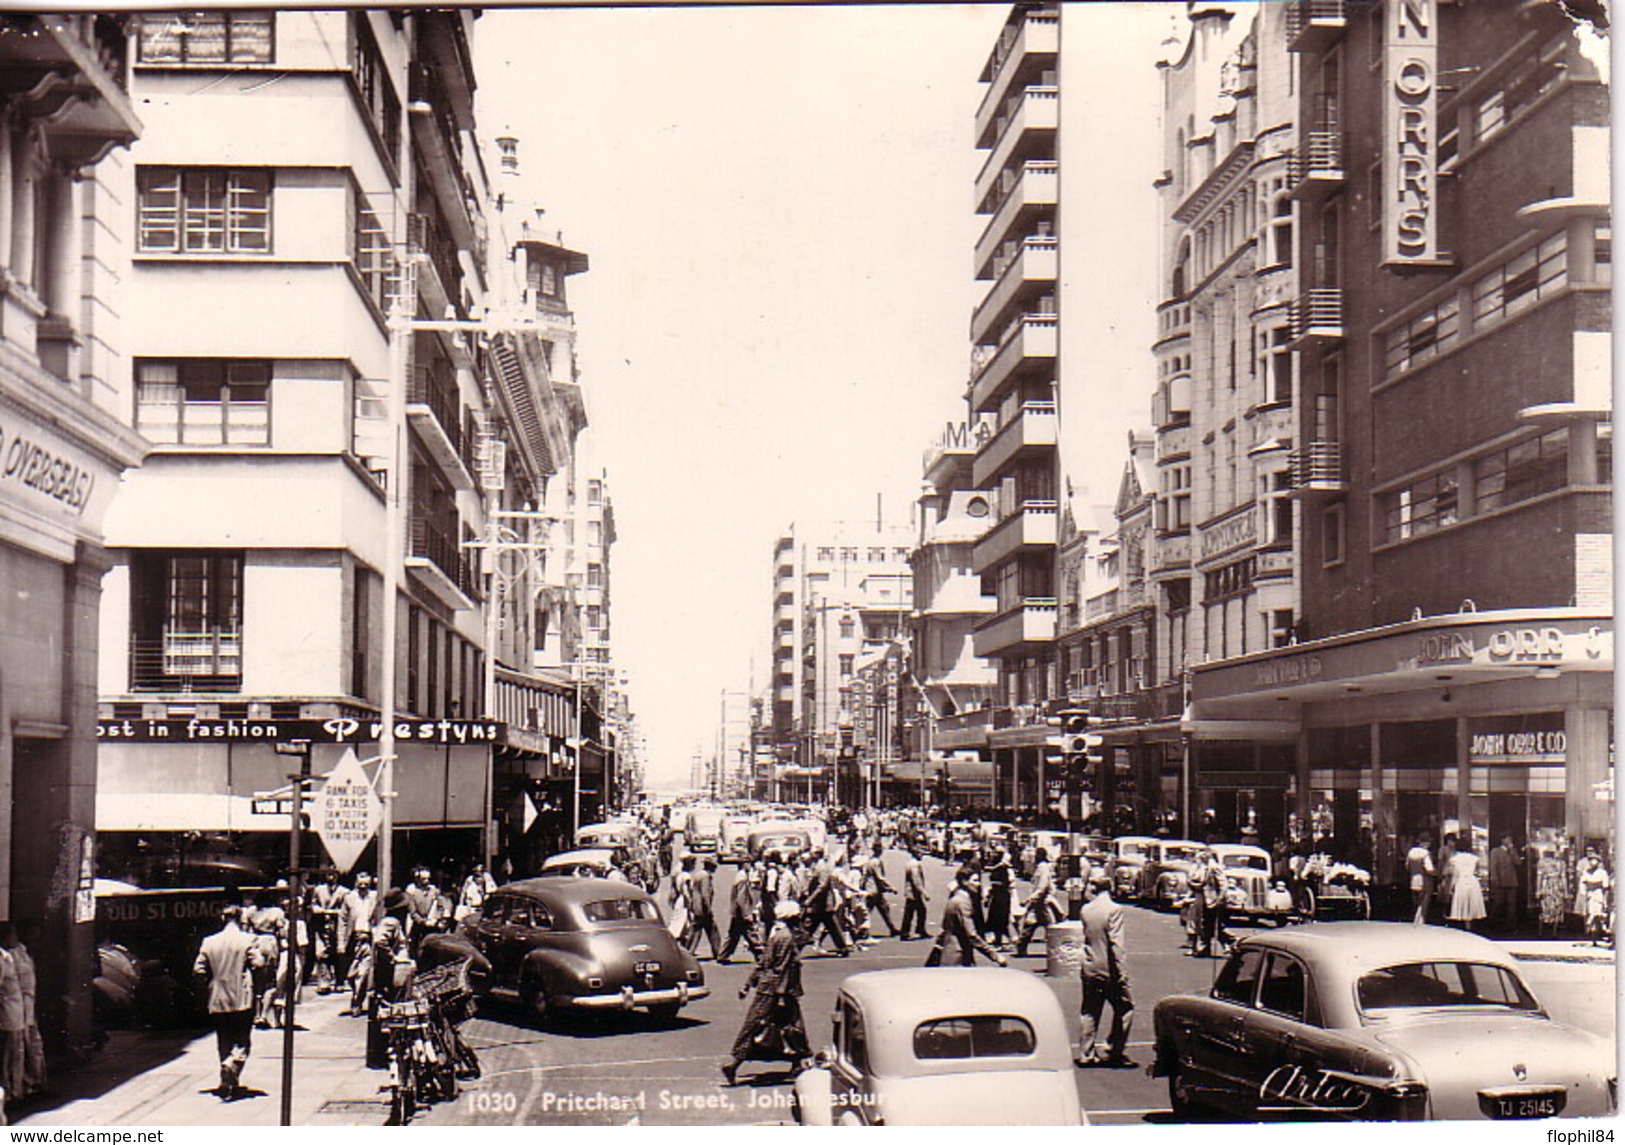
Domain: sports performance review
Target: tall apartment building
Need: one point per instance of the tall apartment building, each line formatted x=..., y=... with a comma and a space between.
x=839, y=589
x=64, y=442
x=296, y=558
x=1452, y=453
x=1015, y=379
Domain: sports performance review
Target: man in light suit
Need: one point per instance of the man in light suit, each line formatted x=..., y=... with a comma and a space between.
x=227, y=958
x=1105, y=979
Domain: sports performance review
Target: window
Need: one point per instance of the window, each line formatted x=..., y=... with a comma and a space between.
x=847, y=627
x=1281, y=630
x=1528, y=469
x=1283, y=989
x=1230, y=580
x=1421, y=507
x=846, y=664
x=982, y=1036
x=826, y=553
x=877, y=556
x=854, y=1040
x=204, y=401
x=595, y=493
x=595, y=575
x=203, y=210
x=360, y=633
x=187, y=610
x=373, y=256
x=1438, y=984
x=1522, y=84
x=1331, y=535
x=205, y=38
x=619, y=910
x=373, y=86
x=1537, y=273
x=1425, y=336
x=1235, y=982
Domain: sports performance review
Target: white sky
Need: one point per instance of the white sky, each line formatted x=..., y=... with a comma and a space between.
x=777, y=205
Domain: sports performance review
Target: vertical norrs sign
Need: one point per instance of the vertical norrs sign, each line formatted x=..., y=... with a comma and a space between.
x=347, y=812
x=1410, y=133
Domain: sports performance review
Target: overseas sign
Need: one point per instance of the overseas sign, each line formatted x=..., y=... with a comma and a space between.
x=1410, y=156
x=347, y=812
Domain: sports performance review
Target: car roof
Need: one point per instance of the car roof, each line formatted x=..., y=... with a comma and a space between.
x=1359, y=946
x=584, y=855
x=918, y=993
x=1237, y=849
x=570, y=889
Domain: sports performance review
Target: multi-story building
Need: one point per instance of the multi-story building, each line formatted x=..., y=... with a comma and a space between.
x=296, y=558
x=1452, y=449
x=953, y=687
x=1015, y=379
x=838, y=589
x=64, y=442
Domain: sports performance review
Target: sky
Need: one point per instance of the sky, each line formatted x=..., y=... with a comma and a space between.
x=777, y=206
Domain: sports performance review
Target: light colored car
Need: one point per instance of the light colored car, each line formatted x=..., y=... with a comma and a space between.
x=1248, y=891
x=1166, y=874
x=1376, y=1021
x=702, y=830
x=944, y=1046
x=1129, y=853
x=734, y=838
x=592, y=863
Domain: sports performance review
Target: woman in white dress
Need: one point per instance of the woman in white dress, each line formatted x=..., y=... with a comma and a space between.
x=1467, y=894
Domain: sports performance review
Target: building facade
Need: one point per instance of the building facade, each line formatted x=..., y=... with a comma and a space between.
x=1453, y=671
x=64, y=443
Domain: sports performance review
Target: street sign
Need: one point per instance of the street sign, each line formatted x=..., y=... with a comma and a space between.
x=347, y=812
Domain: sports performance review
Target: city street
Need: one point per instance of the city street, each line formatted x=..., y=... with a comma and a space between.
x=618, y=1070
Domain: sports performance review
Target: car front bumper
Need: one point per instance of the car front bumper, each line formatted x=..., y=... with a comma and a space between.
x=630, y=999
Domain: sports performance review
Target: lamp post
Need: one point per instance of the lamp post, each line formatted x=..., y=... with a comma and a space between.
x=295, y=914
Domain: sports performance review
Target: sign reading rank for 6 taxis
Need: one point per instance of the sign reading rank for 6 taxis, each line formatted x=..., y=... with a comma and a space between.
x=347, y=812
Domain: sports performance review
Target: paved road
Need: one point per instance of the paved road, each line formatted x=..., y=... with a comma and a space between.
x=616, y=1070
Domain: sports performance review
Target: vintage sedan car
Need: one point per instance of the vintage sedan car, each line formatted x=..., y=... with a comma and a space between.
x=1166, y=874
x=785, y=838
x=1376, y=1021
x=1128, y=855
x=734, y=838
x=1248, y=891
x=631, y=853
x=582, y=944
x=962, y=1045
x=589, y=863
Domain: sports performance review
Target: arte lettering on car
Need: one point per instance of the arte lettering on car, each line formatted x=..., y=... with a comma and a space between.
x=1328, y=1091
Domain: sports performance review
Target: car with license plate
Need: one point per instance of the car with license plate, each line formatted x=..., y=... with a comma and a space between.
x=1129, y=854
x=573, y=944
x=1376, y=1021
x=976, y=1045
x=1166, y=874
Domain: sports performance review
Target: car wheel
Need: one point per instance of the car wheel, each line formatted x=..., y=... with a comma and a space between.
x=1180, y=1101
x=533, y=995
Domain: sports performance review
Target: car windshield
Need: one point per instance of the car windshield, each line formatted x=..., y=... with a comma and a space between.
x=620, y=910
x=1178, y=854
x=974, y=1036
x=1441, y=985
x=1246, y=862
x=1131, y=850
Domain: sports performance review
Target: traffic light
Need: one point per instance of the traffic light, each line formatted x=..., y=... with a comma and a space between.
x=1078, y=741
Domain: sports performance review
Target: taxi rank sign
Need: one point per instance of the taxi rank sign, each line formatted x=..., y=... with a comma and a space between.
x=1410, y=134
x=347, y=812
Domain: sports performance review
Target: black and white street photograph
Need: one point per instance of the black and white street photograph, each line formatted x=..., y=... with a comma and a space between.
x=739, y=563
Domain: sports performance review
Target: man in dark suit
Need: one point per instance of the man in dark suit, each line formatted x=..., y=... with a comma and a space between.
x=1105, y=979
x=702, y=918
x=915, y=896
x=227, y=959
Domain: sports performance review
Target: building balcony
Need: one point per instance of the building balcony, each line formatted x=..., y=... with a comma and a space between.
x=1171, y=404
x=1314, y=25
x=1315, y=169
x=1274, y=564
x=1026, y=48
x=1025, y=131
x=439, y=141
x=1173, y=320
x=65, y=74
x=1032, y=526
x=1031, y=273
x=1029, y=345
x=441, y=563
x=439, y=274
x=1319, y=467
x=1032, y=194
x=435, y=414
x=1035, y=427
x=1026, y=627
x=1317, y=317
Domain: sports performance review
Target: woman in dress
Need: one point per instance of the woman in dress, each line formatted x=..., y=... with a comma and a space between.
x=1467, y=892
x=1595, y=884
x=1551, y=891
x=773, y=1029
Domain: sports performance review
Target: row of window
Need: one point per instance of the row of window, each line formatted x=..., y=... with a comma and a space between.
x=877, y=555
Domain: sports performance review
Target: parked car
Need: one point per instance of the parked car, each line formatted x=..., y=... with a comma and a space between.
x=1376, y=1021
x=561, y=944
x=591, y=863
x=1128, y=855
x=943, y=1046
x=1166, y=874
x=1249, y=893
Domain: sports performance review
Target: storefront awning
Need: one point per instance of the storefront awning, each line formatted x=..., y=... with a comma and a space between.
x=1277, y=731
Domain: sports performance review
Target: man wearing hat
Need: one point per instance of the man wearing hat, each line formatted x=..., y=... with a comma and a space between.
x=1105, y=978
x=773, y=1029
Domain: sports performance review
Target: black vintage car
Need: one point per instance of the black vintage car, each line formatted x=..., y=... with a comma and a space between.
x=581, y=944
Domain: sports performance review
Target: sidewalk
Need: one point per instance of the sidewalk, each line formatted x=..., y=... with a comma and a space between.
x=1557, y=950
x=165, y=1078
